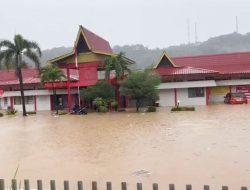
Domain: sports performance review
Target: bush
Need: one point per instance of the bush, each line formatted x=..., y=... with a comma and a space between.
x=1, y=114
x=102, y=109
x=183, y=109
x=31, y=112
x=62, y=113
x=11, y=111
x=100, y=102
x=151, y=109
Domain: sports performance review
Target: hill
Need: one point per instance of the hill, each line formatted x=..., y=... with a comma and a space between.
x=146, y=57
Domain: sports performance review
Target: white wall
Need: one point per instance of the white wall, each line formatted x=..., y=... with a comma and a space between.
x=43, y=103
x=29, y=107
x=182, y=96
x=2, y=106
x=166, y=97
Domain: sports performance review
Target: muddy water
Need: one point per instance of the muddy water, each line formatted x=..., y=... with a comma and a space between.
x=208, y=146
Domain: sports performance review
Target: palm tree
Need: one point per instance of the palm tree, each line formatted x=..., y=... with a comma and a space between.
x=12, y=54
x=52, y=74
x=117, y=63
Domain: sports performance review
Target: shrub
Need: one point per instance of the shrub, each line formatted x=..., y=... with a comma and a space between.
x=114, y=104
x=100, y=102
x=102, y=109
x=1, y=114
x=11, y=111
x=183, y=109
x=62, y=113
x=151, y=109
x=31, y=112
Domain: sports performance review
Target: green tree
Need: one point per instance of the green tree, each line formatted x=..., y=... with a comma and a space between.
x=141, y=86
x=13, y=55
x=102, y=89
x=116, y=63
x=52, y=74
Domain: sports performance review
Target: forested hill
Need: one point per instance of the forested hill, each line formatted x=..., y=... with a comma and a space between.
x=145, y=57
x=229, y=43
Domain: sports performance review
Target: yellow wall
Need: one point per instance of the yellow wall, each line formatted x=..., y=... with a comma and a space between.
x=220, y=91
x=86, y=57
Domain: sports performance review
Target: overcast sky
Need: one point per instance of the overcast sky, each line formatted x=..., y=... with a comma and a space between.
x=153, y=23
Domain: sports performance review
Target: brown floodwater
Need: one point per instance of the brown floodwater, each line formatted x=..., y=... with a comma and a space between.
x=208, y=146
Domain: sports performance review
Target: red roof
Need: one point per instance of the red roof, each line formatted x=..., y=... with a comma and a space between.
x=97, y=44
x=223, y=63
x=30, y=76
x=183, y=71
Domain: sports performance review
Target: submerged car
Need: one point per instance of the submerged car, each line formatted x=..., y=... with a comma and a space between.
x=235, y=98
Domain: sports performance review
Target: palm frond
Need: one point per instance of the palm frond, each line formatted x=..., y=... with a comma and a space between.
x=33, y=45
x=33, y=57
x=19, y=42
x=6, y=58
x=7, y=44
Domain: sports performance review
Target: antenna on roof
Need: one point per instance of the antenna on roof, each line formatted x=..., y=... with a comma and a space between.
x=188, y=30
x=236, y=25
x=196, y=33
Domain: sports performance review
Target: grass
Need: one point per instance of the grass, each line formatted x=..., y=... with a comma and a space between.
x=182, y=109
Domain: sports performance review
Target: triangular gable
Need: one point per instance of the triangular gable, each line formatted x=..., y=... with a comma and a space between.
x=81, y=44
x=165, y=61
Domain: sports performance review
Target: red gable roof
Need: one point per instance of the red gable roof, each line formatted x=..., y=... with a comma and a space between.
x=182, y=71
x=224, y=63
x=96, y=43
x=30, y=76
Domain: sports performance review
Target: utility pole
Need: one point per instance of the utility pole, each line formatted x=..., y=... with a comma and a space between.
x=236, y=25
x=196, y=33
x=188, y=30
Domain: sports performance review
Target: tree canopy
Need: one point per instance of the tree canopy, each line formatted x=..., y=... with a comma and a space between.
x=14, y=56
x=141, y=86
x=116, y=63
x=102, y=89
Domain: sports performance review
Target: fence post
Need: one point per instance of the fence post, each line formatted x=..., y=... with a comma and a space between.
x=224, y=187
x=13, y=184
x=94, y=185
x=206, y=187
x=26, y=184
x=124, y=186
x=155, y=186
x=66, y=185
x=171, y=187
x=188, y=187
x=80, y=185
x=52, y=185
x=139, y=186
x=109, y=185
x=2, y=187
x=243, y=188
x=39, y=185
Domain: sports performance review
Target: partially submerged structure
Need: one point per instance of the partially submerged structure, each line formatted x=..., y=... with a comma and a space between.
x=82, y=67
x=202, y=80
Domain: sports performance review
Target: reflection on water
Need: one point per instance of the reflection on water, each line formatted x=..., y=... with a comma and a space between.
x=208, y=146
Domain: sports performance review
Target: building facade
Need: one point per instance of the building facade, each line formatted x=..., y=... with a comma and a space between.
x=82, y=67
x=202, y=80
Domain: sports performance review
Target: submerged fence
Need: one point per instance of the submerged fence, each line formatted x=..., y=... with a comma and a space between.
x=14, y=186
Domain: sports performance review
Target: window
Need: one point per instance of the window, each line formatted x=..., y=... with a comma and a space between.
x=17, y=100
x=5, y=101
x=195, y=92
x=28, y=100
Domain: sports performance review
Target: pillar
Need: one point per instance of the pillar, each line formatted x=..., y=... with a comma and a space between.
x=68, y=90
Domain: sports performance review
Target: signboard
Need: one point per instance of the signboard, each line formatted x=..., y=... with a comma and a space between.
x=219, y=90
x=1, y=93
x=244, y=89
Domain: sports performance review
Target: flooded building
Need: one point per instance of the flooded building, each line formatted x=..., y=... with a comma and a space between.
x=202, y=80
x=82, y=67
